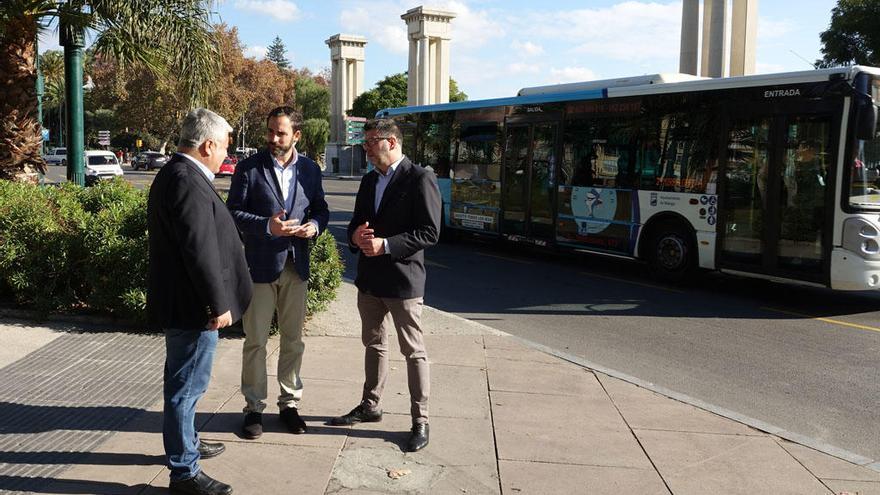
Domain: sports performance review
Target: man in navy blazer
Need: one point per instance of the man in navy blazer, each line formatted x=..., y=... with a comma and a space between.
x=277, y=200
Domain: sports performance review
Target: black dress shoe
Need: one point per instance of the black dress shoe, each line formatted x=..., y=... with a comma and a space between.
x=201, y=484
x=253, y=425
x=419, y=438
x=209, y=450
x=290, y=417
x=359, y=414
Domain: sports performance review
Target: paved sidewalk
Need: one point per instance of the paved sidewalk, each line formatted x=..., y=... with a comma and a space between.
x=505, y=419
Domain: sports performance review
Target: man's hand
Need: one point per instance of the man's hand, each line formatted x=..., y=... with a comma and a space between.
x=306, y=230
x=364, y=238
x=373, y=247
x=283, y=228
x=219, y=322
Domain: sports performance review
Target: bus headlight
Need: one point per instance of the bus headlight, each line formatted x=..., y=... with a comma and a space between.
x=861, y=237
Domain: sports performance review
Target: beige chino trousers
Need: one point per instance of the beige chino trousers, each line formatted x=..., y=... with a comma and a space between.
x=287, y=295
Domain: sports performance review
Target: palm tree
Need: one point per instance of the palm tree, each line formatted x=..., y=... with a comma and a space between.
x=166, y=36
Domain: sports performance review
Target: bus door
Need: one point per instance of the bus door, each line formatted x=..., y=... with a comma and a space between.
x=776, y=199
x=528, y=179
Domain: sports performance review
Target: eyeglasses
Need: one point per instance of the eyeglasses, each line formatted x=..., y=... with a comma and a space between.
x=375, y=140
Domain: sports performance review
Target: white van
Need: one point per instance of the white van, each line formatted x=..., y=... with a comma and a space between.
x=101, y=165
x=58, y=156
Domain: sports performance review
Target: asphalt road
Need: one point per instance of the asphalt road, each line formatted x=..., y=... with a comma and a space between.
x=801, y=359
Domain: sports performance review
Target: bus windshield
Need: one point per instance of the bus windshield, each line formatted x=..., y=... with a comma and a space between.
x=864, y=191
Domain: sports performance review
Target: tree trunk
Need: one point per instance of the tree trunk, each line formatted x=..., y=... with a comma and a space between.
x=20, y=138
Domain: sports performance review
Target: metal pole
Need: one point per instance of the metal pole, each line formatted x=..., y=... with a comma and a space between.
x=351, y=147
x=40, y=91
x=73, y=41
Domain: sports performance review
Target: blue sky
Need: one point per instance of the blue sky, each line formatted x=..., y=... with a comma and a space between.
x=499, y=46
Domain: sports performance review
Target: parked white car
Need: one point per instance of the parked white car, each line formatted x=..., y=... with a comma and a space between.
x=101, y=165
x=57, y=156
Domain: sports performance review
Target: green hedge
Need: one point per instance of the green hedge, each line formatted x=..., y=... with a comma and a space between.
x=74, y=249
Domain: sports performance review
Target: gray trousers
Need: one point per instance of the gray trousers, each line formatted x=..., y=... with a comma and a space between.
x=406, y=315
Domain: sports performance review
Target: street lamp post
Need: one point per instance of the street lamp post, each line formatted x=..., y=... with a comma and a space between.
x=40, y=91
x=73, y=41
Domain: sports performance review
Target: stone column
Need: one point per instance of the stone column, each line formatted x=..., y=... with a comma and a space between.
x=346, y=52
x=412, y=81
x=717, y=37
x=690, y=36
x=429, y=32
x=334, y=101
x=424, y=71
x=743, y=36
x=346, y=62
x=707, y=33
x=443, y=71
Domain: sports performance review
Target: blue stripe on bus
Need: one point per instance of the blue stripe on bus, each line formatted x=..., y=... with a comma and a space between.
x=593, y=94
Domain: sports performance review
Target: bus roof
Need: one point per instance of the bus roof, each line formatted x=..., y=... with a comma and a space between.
x=608, y=83
x=636, y=86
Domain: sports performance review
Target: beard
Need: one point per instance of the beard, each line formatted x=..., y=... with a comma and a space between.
x=278, y=150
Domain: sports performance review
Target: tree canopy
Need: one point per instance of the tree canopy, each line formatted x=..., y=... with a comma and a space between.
x=853, y=37
x=391, y=93
x=276, y=54
x=167, y=37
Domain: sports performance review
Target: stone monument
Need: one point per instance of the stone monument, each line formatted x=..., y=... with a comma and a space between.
x=428, y=32
x=718, y=26
x=347, y=83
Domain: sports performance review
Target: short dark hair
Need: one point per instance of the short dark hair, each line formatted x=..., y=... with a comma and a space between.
x=386, y=127
x=289, y=112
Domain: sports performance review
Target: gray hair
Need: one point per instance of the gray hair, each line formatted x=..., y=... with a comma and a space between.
x=199, y=125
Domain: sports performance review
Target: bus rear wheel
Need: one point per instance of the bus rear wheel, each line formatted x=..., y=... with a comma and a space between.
x=672, y=254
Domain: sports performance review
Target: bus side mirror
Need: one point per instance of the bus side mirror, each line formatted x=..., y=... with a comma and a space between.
x=866, y=121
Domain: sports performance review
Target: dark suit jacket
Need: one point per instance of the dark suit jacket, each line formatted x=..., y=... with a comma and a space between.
x=409, y=217
x=197, y=266
x=255, y=196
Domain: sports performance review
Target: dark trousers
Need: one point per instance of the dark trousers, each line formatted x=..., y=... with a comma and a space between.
x=189, y=355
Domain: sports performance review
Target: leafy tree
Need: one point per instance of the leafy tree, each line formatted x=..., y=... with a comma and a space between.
x=312, y=99
x=315, y=134
x=171, y=36
x=388, y=93
x=853, y=36
x=391, y=93
x=276, y=54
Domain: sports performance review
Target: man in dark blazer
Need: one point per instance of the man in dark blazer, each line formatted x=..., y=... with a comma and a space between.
x=197, y=283
x=396, y=216
x=278, y=202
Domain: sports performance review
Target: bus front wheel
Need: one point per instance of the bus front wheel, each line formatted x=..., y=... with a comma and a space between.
x=672, y=255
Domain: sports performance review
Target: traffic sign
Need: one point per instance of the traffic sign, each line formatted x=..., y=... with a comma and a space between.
x=46, y=135
x=104, y=138
x=354, y=130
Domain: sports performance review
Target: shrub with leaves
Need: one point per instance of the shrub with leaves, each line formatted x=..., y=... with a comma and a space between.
x=325, y=275
x=69, y=248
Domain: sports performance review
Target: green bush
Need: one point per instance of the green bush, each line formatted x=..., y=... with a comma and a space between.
x=74, y=249
x=326, y=273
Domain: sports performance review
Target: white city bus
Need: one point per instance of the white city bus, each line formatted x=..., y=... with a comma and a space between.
x=773, y=176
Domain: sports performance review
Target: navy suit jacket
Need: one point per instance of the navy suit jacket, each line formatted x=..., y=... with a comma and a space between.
x=255, y=196
x=409, y=217
x=197, y=266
